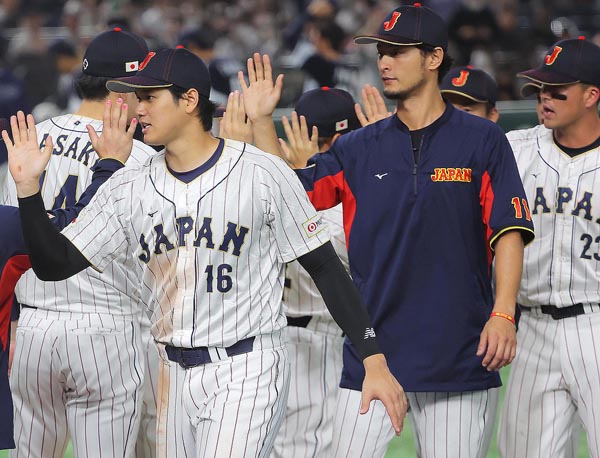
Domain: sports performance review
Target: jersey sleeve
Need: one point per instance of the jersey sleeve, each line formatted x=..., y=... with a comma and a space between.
x=98, y=232
x=323, y=178
x=503, y=200
x=295, y=224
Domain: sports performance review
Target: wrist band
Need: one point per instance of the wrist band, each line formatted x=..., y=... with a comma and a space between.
x=506, y=316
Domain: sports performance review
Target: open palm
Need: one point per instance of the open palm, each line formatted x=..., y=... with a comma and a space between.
x=26, y=161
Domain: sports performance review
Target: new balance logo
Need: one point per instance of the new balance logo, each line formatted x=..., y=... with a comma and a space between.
x=369, y=333
x=380, y=175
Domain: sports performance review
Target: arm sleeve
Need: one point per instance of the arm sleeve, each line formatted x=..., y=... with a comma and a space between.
x=323, y=178
x=103, y=170
x=53, y=257
x=341, y=297
x=502, y=197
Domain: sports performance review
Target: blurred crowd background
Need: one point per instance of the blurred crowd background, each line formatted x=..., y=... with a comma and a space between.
x=310, y=41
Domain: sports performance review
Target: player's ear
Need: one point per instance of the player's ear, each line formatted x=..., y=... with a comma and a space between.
x=191, y=100
x=592, y=96
x=435, y=58
x=493, y=114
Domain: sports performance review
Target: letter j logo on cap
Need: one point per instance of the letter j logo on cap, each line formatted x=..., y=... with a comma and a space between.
x=461, y=79
x=550, y=58
x=389, y=25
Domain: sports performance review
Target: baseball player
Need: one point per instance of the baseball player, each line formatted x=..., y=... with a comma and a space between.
x=430, y=196
x=207, y=226
x=79, y=362
x=555, y=378
x=314, y=339
x=14, y=261
x=471, y=90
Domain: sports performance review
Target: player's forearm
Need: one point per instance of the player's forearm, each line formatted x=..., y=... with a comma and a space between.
x=103, y=170
x=341, y=297
x=508, y=269
x=265, y=136
x=28, y=188
x=53, y=257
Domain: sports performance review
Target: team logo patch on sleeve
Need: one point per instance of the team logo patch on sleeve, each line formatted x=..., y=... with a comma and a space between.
x=314, y=225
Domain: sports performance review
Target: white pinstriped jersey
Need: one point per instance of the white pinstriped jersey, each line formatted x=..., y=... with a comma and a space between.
x=210, y=254
x=301, y=296
x=67, y=175
x=564, y=196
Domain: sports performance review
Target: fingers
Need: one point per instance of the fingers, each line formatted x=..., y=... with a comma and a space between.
x=106, y=119
x=14, y=128
x=258, y=65
x=268, y=71
x=48, y=145
x=31, y=131
x=278, y=86
x=365, y=402
x=251, y=70
x=22, y=127
x=6, y=138
x=94, y=138
x=115, y=114
x=360, y=115
x=242, y=80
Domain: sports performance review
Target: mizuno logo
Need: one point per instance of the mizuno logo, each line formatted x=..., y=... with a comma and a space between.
x=380, y=175
x=152, y=213
x=369, y=333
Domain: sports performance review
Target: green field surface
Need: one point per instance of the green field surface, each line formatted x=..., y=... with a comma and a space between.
x=403, y=446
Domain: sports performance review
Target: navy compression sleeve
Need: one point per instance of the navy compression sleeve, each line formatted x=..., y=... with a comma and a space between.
x=341, y=297
x=53, y=257
x=103, y=170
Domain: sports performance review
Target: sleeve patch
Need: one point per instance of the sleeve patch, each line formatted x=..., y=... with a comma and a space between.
x=314, y=225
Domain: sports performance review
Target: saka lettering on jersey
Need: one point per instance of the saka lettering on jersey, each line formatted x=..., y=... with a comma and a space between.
x=452, y=174
x=159, y=242
x=76, y=148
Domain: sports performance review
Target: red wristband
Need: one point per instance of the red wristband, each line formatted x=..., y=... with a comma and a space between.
x=506, y=316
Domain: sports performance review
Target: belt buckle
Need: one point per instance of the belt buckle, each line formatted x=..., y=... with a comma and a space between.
x=200, y=355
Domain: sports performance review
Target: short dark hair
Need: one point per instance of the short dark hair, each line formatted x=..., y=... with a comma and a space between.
x=205, y=109
x=446, y=64
x=332, y=32
x=90, y=87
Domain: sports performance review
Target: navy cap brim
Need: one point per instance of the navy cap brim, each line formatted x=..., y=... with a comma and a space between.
x=369, y=39
x=462, y=94
x=549, y=78
x=529, y=89
x=131, y=83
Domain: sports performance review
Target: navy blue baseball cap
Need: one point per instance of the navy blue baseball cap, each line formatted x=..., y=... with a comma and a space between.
x=575, y=60
x=330, y=109
x=114, y=54
x=471, y=83
x=165, y=68
x=410, y=25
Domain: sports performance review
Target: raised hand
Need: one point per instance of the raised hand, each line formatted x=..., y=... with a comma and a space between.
x=300, y=147
x=26, y=161
x=116, y=140
x=261, y=95
x=235, y=124
x=375, y=109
